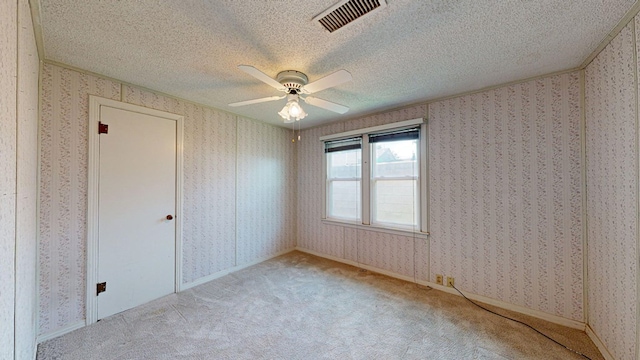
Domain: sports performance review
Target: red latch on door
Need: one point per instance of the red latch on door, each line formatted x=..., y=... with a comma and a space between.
x=101, y=287
x=103, y=128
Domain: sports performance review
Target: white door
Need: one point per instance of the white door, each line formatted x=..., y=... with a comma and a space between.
x=136, y=204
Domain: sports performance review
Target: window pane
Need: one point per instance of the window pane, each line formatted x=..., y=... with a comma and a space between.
x=344, y=164
x=396, y=158
x=396, y=202
x=344, y=180
x=344, y=199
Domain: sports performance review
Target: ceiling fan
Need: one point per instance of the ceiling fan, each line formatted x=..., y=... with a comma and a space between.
x=294, y=84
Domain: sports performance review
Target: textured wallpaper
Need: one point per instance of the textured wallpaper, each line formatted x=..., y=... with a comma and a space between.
x=218, y=191
x=63, y=192
x=210, y=150
x=612, y=165
x=27, y=187
x=267, y=191
x=506, y=194
x=18, y=174
x=393, y=253
x=8, y=70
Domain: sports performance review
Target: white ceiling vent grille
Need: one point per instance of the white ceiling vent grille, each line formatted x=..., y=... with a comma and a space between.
x=346, y=11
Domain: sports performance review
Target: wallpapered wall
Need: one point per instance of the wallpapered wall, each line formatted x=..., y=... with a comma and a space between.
x=219, y=182
x=394, y=253
x=18, y=188
x=8, y=71
x=267, y=189
x=27, y=187
x=64, y=147
x=506, y=199
x=612, y=168
x=506, y=194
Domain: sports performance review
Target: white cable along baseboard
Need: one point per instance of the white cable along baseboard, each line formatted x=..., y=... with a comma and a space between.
x=501, y=304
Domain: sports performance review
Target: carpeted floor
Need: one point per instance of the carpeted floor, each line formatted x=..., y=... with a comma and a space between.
x=298, y=306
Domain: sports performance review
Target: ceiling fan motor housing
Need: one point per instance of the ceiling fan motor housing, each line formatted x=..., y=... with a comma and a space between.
x=293, y=80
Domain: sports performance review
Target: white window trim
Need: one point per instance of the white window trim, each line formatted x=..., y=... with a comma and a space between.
x=424, y=181
x=377, y=228
x=365, y=197
x=378, y=178
x=365, y=221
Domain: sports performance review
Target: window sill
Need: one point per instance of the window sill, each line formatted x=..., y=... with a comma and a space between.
x=402, y=232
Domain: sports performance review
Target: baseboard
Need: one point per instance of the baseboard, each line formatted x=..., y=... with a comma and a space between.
x=221, y=273
x=501, y=304
x=80, y=324
x=363, y=266
x=35, y=351
x=599, y=344
x=574, y=324
x=63, y=330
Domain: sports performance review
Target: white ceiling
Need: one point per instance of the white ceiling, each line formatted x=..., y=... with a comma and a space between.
x=411, y=51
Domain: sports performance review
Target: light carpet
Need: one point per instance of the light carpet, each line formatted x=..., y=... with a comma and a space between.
x=298, y=306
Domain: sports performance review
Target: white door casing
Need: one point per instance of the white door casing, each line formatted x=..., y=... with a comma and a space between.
x=135, y=181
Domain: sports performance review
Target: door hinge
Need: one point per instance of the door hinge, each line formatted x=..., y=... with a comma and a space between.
x=103, y=128
x=101, y=287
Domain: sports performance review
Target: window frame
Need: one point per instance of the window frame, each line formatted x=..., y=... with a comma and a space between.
x=365, y=221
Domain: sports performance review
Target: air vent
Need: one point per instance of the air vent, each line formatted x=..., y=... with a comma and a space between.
x=346, y=11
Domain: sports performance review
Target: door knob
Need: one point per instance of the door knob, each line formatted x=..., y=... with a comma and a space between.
x=169, y=217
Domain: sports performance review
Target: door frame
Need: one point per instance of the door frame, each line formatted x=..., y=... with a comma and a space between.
x=95, y=103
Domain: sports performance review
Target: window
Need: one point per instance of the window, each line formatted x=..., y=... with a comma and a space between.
x=395, y=175
x=388, y=159
x=344, y=179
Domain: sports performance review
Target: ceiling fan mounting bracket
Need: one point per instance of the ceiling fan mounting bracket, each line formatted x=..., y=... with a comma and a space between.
x=293, y=80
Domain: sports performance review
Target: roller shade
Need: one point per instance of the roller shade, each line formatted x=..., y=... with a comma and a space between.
x=343, y=144
x=395, y=135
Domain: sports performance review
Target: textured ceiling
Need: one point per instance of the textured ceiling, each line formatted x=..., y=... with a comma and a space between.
x=411, y=51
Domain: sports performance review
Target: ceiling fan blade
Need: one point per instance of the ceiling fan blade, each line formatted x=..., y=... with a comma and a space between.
x=331, y=80
x=261, y=76
x=257, y=101
x=327, y=105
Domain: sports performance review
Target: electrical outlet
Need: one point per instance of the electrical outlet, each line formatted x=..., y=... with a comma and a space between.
x=450, y=281
x=438, y=279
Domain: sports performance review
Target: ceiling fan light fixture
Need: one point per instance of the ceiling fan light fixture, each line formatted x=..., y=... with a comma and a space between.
x=292, y=111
